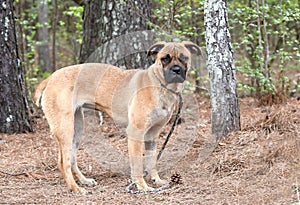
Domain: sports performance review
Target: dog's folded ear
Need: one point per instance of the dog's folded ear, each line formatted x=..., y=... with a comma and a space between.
x=192, y=47
x=155, y=48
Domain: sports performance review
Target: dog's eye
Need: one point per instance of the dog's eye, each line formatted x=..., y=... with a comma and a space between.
x=166, y=59
x=183, y=59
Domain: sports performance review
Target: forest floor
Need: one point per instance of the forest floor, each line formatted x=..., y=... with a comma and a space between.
x=258, y=165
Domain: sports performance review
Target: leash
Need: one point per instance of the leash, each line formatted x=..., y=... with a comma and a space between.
x=175, y=179
x=180, y=103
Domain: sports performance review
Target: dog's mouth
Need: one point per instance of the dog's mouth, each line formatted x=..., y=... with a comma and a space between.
x=175, y=74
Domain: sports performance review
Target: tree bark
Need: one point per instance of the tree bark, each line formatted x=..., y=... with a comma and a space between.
x=221, y=67
x=113, y=32
x=43, y=37
x=13, y=102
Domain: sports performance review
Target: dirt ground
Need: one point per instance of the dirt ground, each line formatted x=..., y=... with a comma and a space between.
x=258, y=165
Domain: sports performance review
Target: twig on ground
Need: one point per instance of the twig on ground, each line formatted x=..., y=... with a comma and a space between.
x=13, y=175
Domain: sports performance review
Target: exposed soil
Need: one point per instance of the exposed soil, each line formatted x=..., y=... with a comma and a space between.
x=258, y=165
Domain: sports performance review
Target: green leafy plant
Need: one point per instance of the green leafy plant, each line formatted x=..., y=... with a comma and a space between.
x=76, y=12
x=266, y=46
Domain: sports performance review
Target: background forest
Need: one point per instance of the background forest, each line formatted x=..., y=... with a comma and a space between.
x=265, y=35
x=258, y=163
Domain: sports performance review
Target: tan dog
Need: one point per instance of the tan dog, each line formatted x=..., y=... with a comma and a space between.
x=141, y=100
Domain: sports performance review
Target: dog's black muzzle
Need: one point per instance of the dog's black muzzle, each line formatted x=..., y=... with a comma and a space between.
x=175, y=74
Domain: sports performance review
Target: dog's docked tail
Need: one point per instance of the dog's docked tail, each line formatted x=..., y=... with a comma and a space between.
x=39, y=92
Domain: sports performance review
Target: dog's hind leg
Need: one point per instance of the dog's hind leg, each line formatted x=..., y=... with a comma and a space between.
x=78, y=131
x=59, y=160
x=61, y=122
x=64, y=141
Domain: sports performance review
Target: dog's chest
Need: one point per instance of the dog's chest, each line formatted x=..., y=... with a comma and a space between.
x=166, y=106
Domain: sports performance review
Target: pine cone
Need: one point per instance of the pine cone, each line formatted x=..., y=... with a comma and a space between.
x=176, y=179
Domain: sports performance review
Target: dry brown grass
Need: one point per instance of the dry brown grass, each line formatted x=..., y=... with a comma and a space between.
x=258, y=165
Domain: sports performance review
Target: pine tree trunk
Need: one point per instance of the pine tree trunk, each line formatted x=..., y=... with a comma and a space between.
x=13, y=102
x=116, y=33
x=220, y=64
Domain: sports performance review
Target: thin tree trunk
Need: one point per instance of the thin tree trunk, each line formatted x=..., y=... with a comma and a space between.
x=197, y=41
x=43, y=36
x=54, y=36
x=266, y=41
x=13, y=102
x=259, y=33
x=221, y=67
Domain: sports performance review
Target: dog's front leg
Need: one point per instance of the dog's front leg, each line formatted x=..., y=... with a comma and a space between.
x=135, y=151
x=150, y=161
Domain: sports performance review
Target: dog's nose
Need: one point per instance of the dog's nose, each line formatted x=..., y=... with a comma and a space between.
x=176, y=69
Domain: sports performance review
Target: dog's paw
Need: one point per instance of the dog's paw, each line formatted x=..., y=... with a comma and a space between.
x=82, y=190
x=159, y=182
x=79, y=190
x=141, y=184
x=89, y=182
